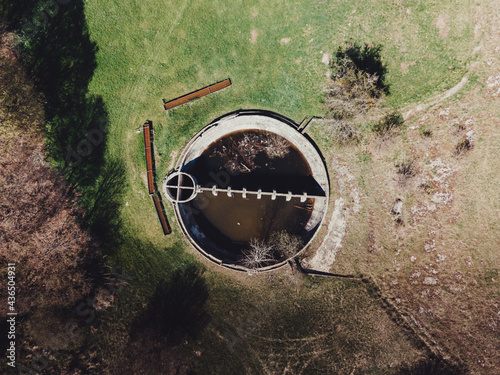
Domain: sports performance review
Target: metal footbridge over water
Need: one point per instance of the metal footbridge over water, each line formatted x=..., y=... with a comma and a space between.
x=181, y=187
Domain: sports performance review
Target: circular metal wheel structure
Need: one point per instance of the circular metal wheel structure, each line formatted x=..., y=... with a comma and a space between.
x=180, y=187
x=221, y=211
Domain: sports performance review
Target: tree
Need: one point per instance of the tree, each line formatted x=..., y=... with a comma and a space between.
x=351, y=93
x=258, y=254
x=285, y=244
x=38, y=230
x=354, y=90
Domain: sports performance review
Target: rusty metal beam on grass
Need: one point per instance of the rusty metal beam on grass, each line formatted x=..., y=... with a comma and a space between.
x=149, y=156
x=197, y=94
x=161, y=215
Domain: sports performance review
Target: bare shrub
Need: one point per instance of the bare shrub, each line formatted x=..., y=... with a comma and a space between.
x=276, y=147
x=425, y=131
x=390, y=123
x=344, y=131
x=465, y=144
x=258, y=254
x=239, y=155
x=366, y=58
x=285, y=244
x=351, y=93
x=355, y=89
x=405, y=168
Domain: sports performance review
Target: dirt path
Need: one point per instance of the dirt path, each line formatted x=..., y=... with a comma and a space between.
x=347, y=204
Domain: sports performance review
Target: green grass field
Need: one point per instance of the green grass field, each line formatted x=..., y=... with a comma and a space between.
x=423, y=299
x=148, y=53
x=272, y=51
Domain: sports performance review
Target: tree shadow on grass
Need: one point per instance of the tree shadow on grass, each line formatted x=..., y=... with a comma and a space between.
x=104, y=201
x=177, y=308
x=57, y=51
x=61, y=60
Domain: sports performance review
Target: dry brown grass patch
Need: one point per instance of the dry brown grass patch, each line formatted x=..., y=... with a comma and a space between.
x=253, y=36
x=442, y=23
